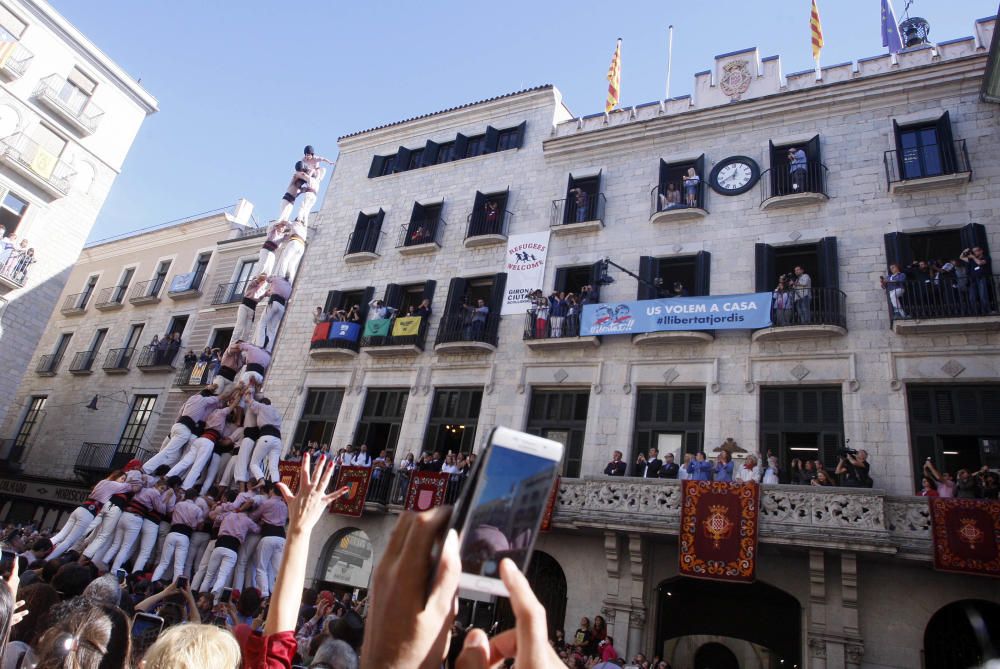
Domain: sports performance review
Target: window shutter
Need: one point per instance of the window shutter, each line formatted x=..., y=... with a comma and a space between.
x=829, y=442
x=361, y=223
x=402, y=160
x=428, y=293
x=378, y=162
x=560, y=282
x=83, y=81
x=430, y=153
x=663, y=173
x=829, y=269
x=775, y=166
x=377, y=223
x=699, y=168
x=334, y=298
x=418, y=215
x=702, y=274
x=596, y=270
x=365, y=299
x=923, y=448
x=456, y=294
x=519, y=141
x=770, y=442
x=897, y=249
x=496, y=295
x=896, y=132
x=647, y=270
x=764, y=264
x=974, y=234
x=815, y=165
x=492, y=139
x=946, y=143
x=393, y=296
x=461, y=142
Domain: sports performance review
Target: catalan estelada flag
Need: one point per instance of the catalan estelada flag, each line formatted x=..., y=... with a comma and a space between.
x=614, y=79
x=817, y=31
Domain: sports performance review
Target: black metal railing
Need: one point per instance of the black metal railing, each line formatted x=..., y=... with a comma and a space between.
x=97, y=458
x=578, y=210
x=48, y=364
x=15, y=270
x=542, y=325
x=118, y=359
x=320, y=341
x=230, y=293
x=364, y=240
x=380, y=486
x=15, y=450
x=401, y=481
x=465, y=327
x=664, y=198
x=70, y=99
x=783, y=180
x=75, y=302
x=83, y=361
x=482, y=223
x=145, y=290
x=111, y=295
x=933, y=160
x=809, y=306
x=154, y=356
x=954, y=297
x=417, y=339
x=421, y=232
x=31, y=156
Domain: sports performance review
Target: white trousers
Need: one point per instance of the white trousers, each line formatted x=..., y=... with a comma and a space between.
x=175, y=550
x=289, y=257
x=305, y=206
x=243, y=330
x=162, y=530
x=267, y=327
x=149, y=532
x=75, y=527
x=241, y=472
x=246, y=564
x=171, y=453
x=193, y=462
x=126, y=537
x=265, y=261
x=266, y=453
x=220, y=568
x=269, y=552
x=199, y=575
x=221, y=384
x=199, y=540
x=216, y=463
x=285, y=210
x=108, y=517
x=231, y=460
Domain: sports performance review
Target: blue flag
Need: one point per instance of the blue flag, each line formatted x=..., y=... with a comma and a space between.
x=890, y=29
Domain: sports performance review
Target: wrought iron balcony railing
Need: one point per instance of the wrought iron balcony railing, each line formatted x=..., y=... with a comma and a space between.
x=112, y=296
x=118, y=359
x=48, y=364
x=18, y=60
x=154, y=356
x=663, y=198
x=481, y=223
x=29, y=158
x=76, y=303
x=418, y=233
x=779, y=182
x=925, y=162
x=230, y=293
x=417, y=339
x=146, y=291
x=68, y=100
x=951, y=297
x=809, y=306
x=97, y=459
x=364, y=240
x=462, y=327
x=83, y=362
x=578, y=210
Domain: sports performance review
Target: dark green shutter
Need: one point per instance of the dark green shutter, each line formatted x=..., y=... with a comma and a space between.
x=815, y=167
x=333, y=301
x=368, y=296
x=765, y=266
x=428, y=293
x=699, y=168
x=896, y=133
x=393, y=296
x=702, y=274
x=496, y=295
x=770, y=441
x=492, y=139
x=924, y=447
x=947, y=143
x=461, y=143
x=664, y=170
x=430, y=153
x=560, y=281
x=829, y=269
x=596, y=272
x=519, y=141
x=378, y=162
x=402, y=160
x=456, y=296
x=647, y=270
x=775, y=165
x=897, y=249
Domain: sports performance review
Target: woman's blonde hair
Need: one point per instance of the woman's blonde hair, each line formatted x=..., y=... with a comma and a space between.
x=193, y=647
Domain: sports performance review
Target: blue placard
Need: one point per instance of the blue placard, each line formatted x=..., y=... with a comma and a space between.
x=341, y=330
x=715, y=312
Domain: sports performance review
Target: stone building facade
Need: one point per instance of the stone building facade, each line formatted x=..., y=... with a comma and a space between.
x=844, y=575
x=68, y=116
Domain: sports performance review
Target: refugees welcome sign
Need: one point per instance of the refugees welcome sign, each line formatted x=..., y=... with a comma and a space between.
x=716, y=312
x=525, y=268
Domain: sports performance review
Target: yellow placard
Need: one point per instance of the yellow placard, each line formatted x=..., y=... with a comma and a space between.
x=407, y=326
x=43, y=163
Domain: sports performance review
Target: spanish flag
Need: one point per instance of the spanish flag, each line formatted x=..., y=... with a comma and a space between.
x=614, y=79
x=817, y=31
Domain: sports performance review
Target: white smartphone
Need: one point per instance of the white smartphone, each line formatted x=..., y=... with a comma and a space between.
x=501, y=511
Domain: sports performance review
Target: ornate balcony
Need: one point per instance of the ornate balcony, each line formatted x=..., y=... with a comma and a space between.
x=663, y=210
x=155, y=359
x=363, y=244
x=484, y=232
x=823, y=315
x=227, y=294
x=69, y=103
x=855, y=519
x=83, y=363
x=781, y=188
x=420, y=237
x=924, y=308
x=456, y=334
x=48, y=364
x=27, y=158
x=75, y=304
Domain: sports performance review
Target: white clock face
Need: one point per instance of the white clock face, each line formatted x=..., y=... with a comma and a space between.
x=734, y=176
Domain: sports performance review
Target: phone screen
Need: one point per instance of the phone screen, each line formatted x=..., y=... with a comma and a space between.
x=7, y=562
x=146, y=626
x=226, y=596
x=182, y=582
x=504, y=512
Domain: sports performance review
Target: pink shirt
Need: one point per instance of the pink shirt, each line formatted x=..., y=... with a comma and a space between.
x=151, y=499
x=187, y=513
x=272, y=511
x=217, y=420
x=242, y=499
x=199, y=406
x=254, y=354
x=946, y=489
x=238, y=525
x=280, y=286
x=267, y=414
x=231, y=359
x=103, y=491
x=249, y=416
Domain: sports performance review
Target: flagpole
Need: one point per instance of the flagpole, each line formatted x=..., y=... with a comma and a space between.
x=619, y=50
x=670, y=57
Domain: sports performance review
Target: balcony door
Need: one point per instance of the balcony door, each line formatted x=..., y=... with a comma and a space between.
x=243, y=276
x=319, y=417
x=381, y=420
x=453, y=422
x=135, y=425
x=123, y=284
x=803, y=423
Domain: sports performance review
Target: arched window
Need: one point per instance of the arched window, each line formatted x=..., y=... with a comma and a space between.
x=715, y=656
x=347, y=562
x=958, y=634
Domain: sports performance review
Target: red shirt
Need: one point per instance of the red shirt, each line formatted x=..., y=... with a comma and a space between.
x=929, y=493
x=269, y=652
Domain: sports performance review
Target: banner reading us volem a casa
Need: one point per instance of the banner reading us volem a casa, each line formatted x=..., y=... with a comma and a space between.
x=748, y=311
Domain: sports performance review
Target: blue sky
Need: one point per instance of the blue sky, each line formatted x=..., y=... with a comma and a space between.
x=242, y=91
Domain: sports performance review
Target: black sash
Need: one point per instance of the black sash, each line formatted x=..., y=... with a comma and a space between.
x=188, y=422
x=269, y=431
x=272, y=530
x=270, y=246
x=279, y=299
x=226, y=541
x=252, y=433
x=228, y=373
x=179, y=528
x=248, y=302
x=255, y=367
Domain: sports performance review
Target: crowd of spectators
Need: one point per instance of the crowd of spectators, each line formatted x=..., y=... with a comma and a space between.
x=557, y=315
x=964, y=484
x=164, y=349
x=15, y=256
x=954, y=286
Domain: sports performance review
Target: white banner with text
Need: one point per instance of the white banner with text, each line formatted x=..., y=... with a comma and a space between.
x=525, y=267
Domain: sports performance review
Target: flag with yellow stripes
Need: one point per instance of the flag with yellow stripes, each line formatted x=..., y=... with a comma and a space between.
x=614, y=79
x=817, y=31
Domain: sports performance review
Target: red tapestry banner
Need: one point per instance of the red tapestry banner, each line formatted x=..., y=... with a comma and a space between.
x=966, y=535
x=718, y=538
x=550, y=506
x=356, y=480
x=426, y=490
x=289, y=473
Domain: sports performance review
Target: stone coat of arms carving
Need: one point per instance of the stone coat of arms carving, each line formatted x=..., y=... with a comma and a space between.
x=735, y=78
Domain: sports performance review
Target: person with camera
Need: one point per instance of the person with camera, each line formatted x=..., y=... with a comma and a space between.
x=853, y=468
x=978, y=269
x=797, y=164
x=802, y=295
x=648, y=466
x=895, y=287
x=781, y=299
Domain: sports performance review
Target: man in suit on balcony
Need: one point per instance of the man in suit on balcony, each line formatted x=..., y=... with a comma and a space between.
x=616, y=467
x=648, y=466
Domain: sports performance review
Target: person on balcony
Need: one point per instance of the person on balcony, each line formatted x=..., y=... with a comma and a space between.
x=491, y=214
x=648, y=466
x=722, y=470
x=699, y=469
x=854, y=469
x=477, y=316
x=678, y=290
x=781, y=298
x=749, y=470
x=7, y=245
x=421, y=235
x=823, y=479
x=670, y=469
x=669, y=198
x=772, y=473
x=161, y=349
x=580, y=201
x=557, y=313
x=616, y=467
x=362, y=458
x=377, y=310
x=691, y=183
x=895, y=287
x=928, y=488
x=423, y=310
x=797, y=165
x=803, y=295
x=979, y=271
